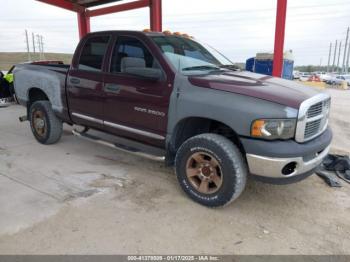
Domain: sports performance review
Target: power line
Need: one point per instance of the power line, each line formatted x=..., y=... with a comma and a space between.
x=347, y=60
x=345, y=46
x=39, y=46
x=27, y=42
x=339, y=55
x=42, y=46
x=329, y=56
x=33, y=39
x=335, y=54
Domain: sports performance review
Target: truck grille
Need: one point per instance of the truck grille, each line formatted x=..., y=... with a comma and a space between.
x=312, y=128
x=313, y=118
x=315, y=110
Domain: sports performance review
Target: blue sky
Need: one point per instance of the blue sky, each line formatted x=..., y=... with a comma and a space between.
x=239, y=29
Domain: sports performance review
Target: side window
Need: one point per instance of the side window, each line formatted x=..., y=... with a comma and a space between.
x=93, y=52
x=131, y=52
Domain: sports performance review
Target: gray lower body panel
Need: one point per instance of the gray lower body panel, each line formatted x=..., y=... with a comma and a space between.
x=270, y=159
x=273, y=166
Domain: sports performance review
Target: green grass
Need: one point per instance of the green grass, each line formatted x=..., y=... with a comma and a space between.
x=8, y=59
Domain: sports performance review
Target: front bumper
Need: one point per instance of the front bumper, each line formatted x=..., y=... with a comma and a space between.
x=272, y=166
x=268, y=159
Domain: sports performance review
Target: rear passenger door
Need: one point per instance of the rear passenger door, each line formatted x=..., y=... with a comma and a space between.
x=85, y=82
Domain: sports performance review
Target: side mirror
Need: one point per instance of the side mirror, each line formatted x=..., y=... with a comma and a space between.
x=145, y=72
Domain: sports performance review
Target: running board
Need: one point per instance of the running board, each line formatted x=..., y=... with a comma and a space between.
x=118, y=146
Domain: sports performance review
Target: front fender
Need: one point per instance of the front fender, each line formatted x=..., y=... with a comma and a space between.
x=234, y=110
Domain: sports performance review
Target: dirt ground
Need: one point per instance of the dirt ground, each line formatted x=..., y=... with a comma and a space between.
x=77, y=197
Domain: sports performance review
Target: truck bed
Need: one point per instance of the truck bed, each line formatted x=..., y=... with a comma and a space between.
x=49, y=78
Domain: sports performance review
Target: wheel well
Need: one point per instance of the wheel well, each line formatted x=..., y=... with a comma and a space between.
x=35, y=94
x=193, y=126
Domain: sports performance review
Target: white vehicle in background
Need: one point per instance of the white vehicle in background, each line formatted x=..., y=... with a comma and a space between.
x=304, y=76
x=339, y=79
x=324, y=76
x=333, y=79
x=347, y=79
x=296, y=75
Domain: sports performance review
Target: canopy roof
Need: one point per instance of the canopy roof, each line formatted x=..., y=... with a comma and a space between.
x=155, y=6
x=91, y=3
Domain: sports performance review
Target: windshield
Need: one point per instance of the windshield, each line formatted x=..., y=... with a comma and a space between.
x=189, y=56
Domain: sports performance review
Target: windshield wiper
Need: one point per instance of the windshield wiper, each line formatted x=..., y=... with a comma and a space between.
x=202, y=67
x=231, y=67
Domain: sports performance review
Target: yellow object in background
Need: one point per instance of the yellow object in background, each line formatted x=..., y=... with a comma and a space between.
x=321, y=85
x=9, y=78
x=344, y=85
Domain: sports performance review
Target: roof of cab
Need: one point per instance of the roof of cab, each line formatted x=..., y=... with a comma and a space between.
x=128, y=31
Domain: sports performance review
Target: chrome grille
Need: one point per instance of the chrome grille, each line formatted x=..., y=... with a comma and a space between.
x=312, y=128
x=313, y=117
x=315, y=110
x=327, y=104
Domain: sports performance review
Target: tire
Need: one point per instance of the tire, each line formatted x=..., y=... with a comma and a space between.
x=46, y=127
x=225, y=162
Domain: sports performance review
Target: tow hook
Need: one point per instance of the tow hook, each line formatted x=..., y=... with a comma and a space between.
x=23, y=118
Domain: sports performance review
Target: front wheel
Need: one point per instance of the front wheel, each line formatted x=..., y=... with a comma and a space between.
x=46, y=127
x=211, y=170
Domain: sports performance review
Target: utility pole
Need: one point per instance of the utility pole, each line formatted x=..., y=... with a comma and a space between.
x=345, y=46
x=33, y=40
x=347, y=60
x=42, y=46
x=339, y=56
x=27, y=41
x=335, y=55
x=329, y=56
x=39, y=45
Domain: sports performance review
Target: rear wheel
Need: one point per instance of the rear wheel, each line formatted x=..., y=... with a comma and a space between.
x=46, y=127
x=211, y=170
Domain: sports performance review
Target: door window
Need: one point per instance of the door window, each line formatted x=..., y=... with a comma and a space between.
x=136, y=53
x=91, y=58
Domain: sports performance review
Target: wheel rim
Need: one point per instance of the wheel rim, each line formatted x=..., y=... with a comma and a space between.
x=39, y=123
x=204, y=172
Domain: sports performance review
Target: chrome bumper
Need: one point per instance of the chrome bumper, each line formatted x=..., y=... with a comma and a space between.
x=272, y=166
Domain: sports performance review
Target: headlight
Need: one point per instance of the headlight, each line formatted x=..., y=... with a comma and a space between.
x=273, y=128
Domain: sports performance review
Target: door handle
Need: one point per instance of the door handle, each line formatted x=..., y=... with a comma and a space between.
x=112, y=87
x=74, y=81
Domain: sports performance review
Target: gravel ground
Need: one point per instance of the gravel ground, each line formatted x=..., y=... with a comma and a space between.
x=76, y=197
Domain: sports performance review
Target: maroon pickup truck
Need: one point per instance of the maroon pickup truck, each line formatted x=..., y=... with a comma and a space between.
x=172, y=98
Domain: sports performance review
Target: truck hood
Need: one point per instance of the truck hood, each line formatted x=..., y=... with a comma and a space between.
x=269, y=88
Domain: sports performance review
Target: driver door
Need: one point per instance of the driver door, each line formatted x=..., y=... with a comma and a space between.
x=135, y=106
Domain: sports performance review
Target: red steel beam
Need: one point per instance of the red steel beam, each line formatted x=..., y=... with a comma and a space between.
x=83, y=24
x=118, y=8
x=156, y=15
x=64, y=4
x=279, y=37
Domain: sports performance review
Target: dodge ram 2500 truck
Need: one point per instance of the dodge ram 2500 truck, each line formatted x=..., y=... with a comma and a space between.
x=170, y=97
